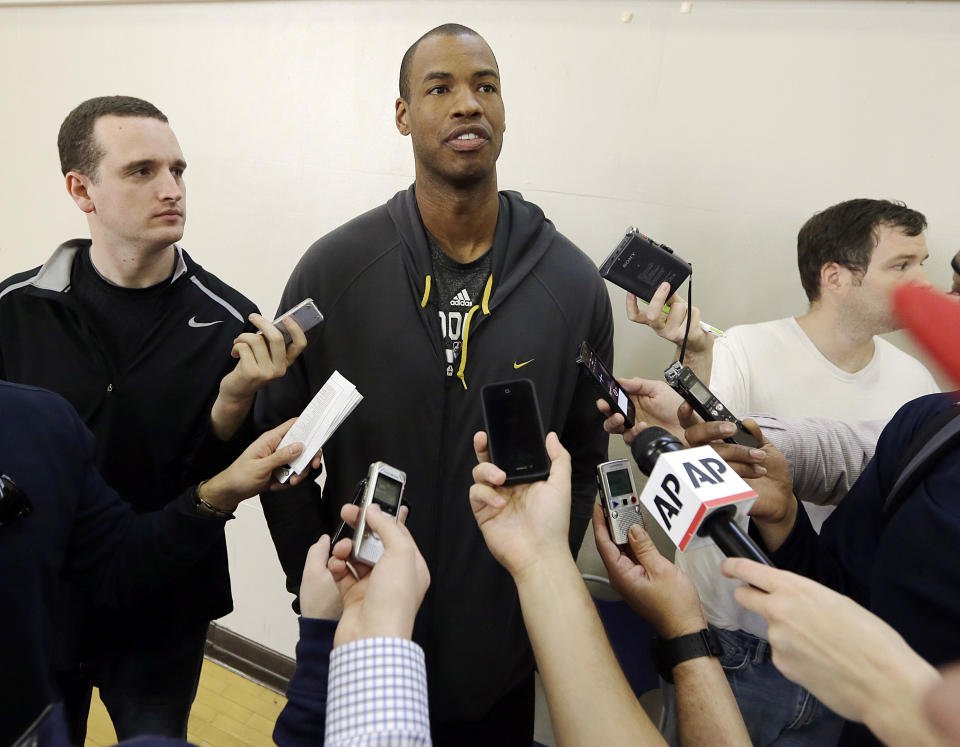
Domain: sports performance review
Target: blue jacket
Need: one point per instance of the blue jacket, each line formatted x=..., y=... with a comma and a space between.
x=904, y=570
x=79, y=530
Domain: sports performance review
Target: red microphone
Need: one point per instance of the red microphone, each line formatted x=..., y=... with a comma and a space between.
x=933, y=318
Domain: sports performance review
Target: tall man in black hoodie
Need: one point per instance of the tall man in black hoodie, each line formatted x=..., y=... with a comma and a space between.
x=449, y=286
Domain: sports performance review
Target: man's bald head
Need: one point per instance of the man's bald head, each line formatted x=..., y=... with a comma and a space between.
x=447, y=29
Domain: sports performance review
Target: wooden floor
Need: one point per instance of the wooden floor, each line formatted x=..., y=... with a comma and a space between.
x=230, y=711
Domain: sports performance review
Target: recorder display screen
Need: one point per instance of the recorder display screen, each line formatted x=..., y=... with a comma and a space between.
x=387, y=491
x=619, y=482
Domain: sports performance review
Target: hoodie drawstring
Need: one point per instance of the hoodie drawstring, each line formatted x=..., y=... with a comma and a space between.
x=426, y=293
x=485, y=307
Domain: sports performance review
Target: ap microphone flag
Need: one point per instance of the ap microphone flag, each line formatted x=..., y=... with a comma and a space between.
x=933, y=319
x=687, y=487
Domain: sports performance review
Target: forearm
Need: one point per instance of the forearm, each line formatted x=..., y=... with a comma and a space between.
x=775, y=533
x=228, y=414
x=893, y=700
x=707, y=713
x=699, y=359
x=589, y=698
x=302, y=719
x=825, y=456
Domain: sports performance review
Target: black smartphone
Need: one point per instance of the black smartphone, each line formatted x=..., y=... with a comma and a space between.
x=607, y=386
x=515, y=435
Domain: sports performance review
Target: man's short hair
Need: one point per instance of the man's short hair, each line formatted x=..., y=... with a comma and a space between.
x=847, y=234
x=447, y=29
x=79, y=149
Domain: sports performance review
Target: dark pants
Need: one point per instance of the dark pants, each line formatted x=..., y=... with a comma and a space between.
x=147, y=685
x=509, y=722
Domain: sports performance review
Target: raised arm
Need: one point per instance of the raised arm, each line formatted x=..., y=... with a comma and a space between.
x=525, y=528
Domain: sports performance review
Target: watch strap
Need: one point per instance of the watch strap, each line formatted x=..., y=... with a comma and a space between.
x=668, y=653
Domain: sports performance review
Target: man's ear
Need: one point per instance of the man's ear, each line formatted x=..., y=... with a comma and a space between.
x=834, y=276
x=401, y=117
x=77, y=186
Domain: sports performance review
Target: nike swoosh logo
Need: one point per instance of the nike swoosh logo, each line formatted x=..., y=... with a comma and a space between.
x=194, y=323
x=521, y=365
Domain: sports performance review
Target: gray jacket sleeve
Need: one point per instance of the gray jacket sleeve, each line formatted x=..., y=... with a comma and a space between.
x=825, y=456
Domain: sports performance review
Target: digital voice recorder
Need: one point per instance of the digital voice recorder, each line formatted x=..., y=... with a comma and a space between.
x=384, y=486
x=305, y=313
x=704, y=403
x=619, y=498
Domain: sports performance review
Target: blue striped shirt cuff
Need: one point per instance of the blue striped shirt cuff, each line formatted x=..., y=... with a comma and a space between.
x=377, y=695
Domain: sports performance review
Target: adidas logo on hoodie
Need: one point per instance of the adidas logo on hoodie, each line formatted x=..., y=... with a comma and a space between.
x=461, y=299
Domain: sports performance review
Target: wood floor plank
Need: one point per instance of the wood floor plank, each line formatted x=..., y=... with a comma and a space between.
x=229, y=711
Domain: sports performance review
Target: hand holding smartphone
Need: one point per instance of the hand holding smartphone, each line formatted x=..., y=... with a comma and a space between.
x=305, y=313
x=515, y=437
x=607, y=386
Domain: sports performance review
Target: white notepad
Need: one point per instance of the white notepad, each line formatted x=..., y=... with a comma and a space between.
x=320, y=419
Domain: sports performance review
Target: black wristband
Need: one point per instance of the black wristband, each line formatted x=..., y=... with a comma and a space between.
x=667, y=654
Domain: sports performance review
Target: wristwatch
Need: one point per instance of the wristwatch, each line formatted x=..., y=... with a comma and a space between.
x=667, y=654
x=206, y=509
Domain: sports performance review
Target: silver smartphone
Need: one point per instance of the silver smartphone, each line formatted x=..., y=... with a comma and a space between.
x=385, y=486
x=619, y=498
x=305, y=313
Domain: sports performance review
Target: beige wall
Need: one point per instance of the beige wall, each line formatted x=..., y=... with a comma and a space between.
x=717, y=131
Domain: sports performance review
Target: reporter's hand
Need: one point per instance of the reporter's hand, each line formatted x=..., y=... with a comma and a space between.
x=385, y=599
x=319, y=596
x=845, y=655
x=654, y=587
x=655, y=402
x=526, y=523
x=765, y=470
x=261, y=358
x=252, y=472
x=670, y=326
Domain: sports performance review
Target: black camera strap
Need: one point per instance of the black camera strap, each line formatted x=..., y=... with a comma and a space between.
x=357, y=496
x=686, y=330
x=939, y=435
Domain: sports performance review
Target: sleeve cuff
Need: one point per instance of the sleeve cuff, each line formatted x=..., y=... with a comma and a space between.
x=377, y=693
x=791, y=545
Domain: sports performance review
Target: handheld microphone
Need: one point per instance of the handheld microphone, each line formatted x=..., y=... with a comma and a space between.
x=694, y=495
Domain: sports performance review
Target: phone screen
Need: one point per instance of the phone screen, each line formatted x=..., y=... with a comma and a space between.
x=604, y=379
x=514, y=431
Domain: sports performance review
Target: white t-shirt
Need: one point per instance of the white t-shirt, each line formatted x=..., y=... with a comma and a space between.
x=774, y=368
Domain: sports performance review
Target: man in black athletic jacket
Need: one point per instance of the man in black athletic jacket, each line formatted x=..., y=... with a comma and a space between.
x=449, y=286
x=139, y=338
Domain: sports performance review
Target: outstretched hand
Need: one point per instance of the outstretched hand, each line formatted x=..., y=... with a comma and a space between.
x=845, y=655
x=524, y=523
x=670, y=326
x=655, y=402
x=252, y=472
x=382, y=600
x=652, y=586
x=261, y=357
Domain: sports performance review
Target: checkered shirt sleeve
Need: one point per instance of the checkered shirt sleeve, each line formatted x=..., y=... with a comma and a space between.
x=377, y=695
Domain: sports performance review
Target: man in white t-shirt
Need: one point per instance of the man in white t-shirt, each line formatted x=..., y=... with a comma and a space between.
x=827, y=363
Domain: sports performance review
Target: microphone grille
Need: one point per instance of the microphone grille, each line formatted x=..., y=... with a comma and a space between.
x=649, y=444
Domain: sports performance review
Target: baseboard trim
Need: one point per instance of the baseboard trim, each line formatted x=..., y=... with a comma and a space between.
x=258, y=663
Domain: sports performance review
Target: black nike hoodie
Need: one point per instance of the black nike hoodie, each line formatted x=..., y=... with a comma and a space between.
x=371, y=279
